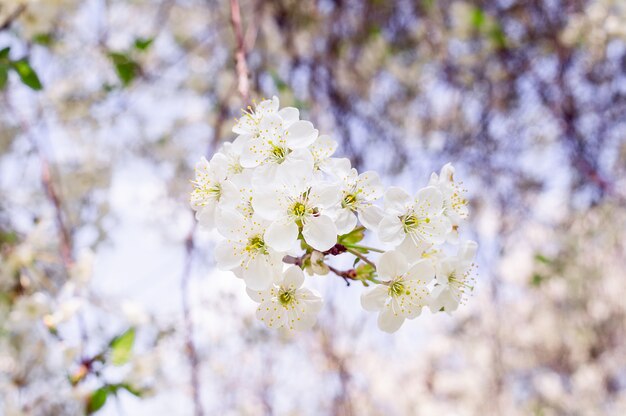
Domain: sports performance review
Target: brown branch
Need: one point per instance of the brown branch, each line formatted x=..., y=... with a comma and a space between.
x=63, y=230
x=190, y=349
x=65, y=239
x=346, y=275
x=12, y=17
x=241, y=66
x=361, y=256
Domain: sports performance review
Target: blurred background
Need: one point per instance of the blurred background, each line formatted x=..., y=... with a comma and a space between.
x=109, y=299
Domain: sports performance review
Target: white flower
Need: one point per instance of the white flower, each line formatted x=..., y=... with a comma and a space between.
x=317, y=264
x=286, y=304
x=298, y=207
x=237, y=194
x=420, y=218
x=30, y=308
x=454, y=202
x=248, y=124
x=404, y=292
x=276, y=140
x=358, y=193
x=208, y=188
x=322, y=149
x=245, y=251
x=454, y=279
x=228, y=158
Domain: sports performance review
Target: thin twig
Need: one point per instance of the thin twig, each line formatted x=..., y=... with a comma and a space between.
x=361, y=256
x=65, y=239
x=346, y=275
x=192, y=353
x=12, y=17
x=241, y=66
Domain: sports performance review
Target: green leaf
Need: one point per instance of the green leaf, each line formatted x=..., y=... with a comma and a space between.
x=477, y=18
x=27, y=74
x=353, y=237
x=497, y=36
x=4, y=75
x=8, y=237
x=97, y=400
x=542, y=259
x=121, y=347
x=4, y=54
x=537, y=279
x=130, y=389
x=356, y=260
x=44, y=39
x=365, y=272
x=127, y=69
x=143, y=43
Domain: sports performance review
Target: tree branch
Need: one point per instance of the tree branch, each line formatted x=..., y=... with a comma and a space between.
x=12, y=17
x=241, y=66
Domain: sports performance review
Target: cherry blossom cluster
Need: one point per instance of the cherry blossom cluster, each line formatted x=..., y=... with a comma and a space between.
x=283, y=205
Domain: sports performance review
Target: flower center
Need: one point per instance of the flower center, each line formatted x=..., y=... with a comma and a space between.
x=286, y=297
x=235, y=167
x=411, y=222
x=299, y=209
x=348, y=200
x=279, y=153
x=256, y=245
x=215, y=191
x=396, y=289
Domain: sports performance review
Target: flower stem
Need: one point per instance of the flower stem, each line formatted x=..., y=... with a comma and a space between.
x=361, y=256
x=356, y=246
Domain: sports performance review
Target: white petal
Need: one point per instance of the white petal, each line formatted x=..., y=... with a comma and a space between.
x=345, y=221
x=282, y=235
x=269, y=203
x=371, y=216
x=324, y=195
x=413, y=250
x=230, y=223
x=467, y=251
x=397, y=201
x=297, y=169
x=429, y=201
x=369, y=183
x=447, y=172
x=231, y=193
x=258, y=295
x=323, y=147
x=422, y=270
x=374, y=299
x=245, y=125
x=293, y=278
x=251, y=153
x=390, y=230
x=306, y=320
x=206, y=216
x=392, y=264
x=258, y=273
x=289, y=115
x=300, y=134
x=444, y=300
x=436, y=230
x=388, y=321
x=227, y=256
x=320, y=232
x=337, y=167
x=434, y=179
x=271, y=128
